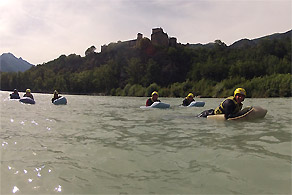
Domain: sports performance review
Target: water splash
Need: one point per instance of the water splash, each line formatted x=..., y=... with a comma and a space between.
x=33, y=122
x=15, y=189
x=58, y=189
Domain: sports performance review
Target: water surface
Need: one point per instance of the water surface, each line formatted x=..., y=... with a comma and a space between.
x=108, y=145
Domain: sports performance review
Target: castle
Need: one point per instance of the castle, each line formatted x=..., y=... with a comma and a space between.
x=158, y=38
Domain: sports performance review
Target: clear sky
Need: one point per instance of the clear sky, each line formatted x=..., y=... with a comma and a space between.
x=41, y=30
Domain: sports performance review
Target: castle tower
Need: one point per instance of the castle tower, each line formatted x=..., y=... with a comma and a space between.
x=172, y=42
x=139, y=36
x=159, y=38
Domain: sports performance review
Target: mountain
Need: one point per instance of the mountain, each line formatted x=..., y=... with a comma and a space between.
x=9, y=63
x=247, y=42
x=137, y=67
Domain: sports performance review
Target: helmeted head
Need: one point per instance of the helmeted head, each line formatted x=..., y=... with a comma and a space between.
x=154, y=93
x=56, y=94
x=190, y=95
x=240, y=91
x=15, y=91
x=27, y=90
x=239, y=95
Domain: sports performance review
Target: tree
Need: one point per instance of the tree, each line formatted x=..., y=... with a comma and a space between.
x=220, y=43
x=135, y=71
x=152, y=73
x=90, y=50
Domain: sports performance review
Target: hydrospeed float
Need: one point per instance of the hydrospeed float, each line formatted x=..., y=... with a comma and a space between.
x=27, y=100
x=246, y=114
x=157, y=105
x=196, y=104
x=14, y=96
x=60, y=101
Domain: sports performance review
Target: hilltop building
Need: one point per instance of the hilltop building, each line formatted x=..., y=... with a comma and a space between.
x=158, y=38
x=172, y=42
x=130, y=43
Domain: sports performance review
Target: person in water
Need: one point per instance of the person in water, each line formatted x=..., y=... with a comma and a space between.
x=229, y=107
x=28, y=94
x=15, y=94
x=154, y=98
x=56, y=96
x=188, y=99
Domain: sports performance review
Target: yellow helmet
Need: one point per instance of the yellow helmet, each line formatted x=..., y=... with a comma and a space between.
x=28, y=91
x=240, y=91
x=190, y=95
x=154, y=92
x=56, y=91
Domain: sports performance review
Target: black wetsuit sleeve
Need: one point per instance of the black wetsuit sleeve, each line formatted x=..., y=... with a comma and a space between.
x=185, y=102
x=53, y=99
x=30, y=96
x=229, y=108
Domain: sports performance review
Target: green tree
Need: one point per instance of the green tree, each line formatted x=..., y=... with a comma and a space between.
x=90, y=50
x=135, y=71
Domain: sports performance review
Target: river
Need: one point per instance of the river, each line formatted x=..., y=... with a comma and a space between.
x=109, y=145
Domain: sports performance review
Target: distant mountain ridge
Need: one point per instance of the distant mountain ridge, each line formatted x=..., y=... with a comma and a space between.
x=247, y=42
x=10, y=63
x=244, y=42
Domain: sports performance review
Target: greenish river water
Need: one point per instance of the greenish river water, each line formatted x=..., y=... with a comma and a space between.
x=109, y=145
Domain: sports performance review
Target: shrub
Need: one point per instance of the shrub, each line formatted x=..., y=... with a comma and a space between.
x=136, y=90
x=151, y=88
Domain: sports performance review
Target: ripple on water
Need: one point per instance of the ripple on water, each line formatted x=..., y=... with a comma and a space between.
x=108, y=145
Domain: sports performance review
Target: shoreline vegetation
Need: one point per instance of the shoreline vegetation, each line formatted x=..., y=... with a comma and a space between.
x=138, y=67
x=278, y=85
x=102, y=94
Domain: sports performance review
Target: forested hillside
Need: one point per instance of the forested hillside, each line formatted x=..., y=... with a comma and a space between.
x=262, y=68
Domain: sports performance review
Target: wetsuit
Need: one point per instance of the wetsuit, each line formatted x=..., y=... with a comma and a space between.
x=187, y=102
x=229, y=107
x=149, y=102
x=31, y=96
x=54, y=98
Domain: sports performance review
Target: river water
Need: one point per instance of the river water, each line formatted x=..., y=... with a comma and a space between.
x=109, y=145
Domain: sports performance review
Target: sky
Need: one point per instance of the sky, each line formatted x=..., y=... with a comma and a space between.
x=42, y=30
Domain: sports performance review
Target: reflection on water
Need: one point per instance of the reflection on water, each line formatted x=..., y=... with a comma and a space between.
x=102, y=145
